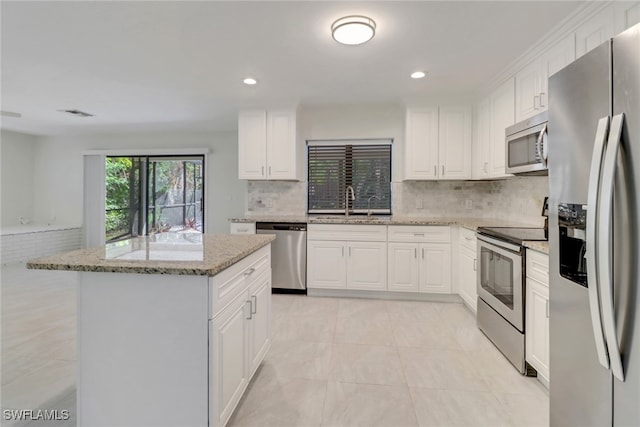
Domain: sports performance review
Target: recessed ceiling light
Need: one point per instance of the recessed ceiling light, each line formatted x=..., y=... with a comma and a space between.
x=353, y=30
x=250, y=81
x=418, y=74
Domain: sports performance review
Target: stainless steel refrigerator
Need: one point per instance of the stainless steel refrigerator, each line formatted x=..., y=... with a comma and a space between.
x=594, y=178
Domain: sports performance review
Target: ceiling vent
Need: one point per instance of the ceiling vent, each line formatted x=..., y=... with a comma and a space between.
x=77, y=113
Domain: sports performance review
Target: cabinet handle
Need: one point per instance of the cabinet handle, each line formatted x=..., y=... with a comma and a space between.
x=349, y=250
x=249, y=272
x=547, y=309
x=415, y=253
x=343, y=252
x=418, y=234
x=536, y=100
x=422, y=253
x=468, y=238
x=254, y=304
x=475, y=264
x=262, y=173
x=442, y=170
x=486, y=167
x=269, y=170
x=435, y=170
x=542, y=94
x=250, y=312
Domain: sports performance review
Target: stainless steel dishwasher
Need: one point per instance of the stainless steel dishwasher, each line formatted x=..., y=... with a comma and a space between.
x=288, y=254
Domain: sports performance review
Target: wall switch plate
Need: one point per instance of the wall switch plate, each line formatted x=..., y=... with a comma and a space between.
x=468, y=204
x=419, y=203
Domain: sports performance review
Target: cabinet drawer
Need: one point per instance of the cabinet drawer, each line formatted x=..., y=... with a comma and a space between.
x=538, y=266
x=347, y=232
x=226, y=285
x=467, y=239
x=243, y=228
x=419, y=234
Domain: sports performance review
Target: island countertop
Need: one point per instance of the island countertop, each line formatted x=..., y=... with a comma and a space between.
x=166, y=253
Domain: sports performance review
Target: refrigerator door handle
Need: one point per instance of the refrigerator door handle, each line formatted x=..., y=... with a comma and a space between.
x=592, y=222
x=604, y=245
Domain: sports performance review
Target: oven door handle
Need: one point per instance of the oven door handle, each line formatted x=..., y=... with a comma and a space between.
x=604, y=245
x=500, y=243
x=592, y=236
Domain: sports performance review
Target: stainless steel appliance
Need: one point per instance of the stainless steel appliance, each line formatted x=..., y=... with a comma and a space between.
x=500, y=285
x=594, y=176
x=288, y=254
x=526, y=146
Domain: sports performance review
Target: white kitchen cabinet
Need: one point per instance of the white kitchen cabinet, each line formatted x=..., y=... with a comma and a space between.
x=260, y=325
x=367, y=265
x=267, y=145
x=531, y=91
x=481, y=148
x=595, y=31
x=502, y=116
x=243, y=228
x=467, y=267
x=537, y=313
x=438, y=143
x=419, y=259
x=627, y=14
x=326, y=264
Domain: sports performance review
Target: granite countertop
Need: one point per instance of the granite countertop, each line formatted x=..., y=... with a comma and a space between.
x=537, y=246
x=469, y=223
x=166, y=253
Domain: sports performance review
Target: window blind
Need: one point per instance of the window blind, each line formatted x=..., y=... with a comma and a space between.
x=365, y=167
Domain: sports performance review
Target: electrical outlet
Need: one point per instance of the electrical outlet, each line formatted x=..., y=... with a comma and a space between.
x=419, y=203
x=468, y=204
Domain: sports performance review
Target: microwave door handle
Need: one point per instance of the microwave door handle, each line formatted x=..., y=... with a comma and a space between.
x=541, y=145
x=604, y=245
x=592, y=229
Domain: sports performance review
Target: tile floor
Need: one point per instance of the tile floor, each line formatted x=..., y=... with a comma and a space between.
x=333, y=362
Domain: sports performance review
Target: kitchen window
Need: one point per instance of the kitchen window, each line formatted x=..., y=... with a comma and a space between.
x=364, y=165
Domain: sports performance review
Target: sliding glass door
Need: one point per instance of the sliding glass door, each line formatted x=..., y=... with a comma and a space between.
x=146, y=195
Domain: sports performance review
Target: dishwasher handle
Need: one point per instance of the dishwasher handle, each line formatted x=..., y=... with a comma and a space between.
x=281, y=226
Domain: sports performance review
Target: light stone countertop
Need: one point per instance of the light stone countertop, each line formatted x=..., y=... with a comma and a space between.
x=469, y=223
x=537, y=246
x=166, y=253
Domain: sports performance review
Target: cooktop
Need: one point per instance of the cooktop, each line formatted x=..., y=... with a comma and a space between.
x=514, y=234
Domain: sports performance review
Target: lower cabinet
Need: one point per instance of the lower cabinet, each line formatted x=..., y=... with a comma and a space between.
x=537, y=313
x=346, y=265
x=239, y=338
x=467, y=267
x=419, y=267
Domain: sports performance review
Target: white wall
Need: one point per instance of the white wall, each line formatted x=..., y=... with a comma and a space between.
x=59, y=172
x=357, y=122
x=17, y=176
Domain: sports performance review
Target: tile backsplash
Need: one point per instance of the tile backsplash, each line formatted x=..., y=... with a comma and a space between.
x=517, y=198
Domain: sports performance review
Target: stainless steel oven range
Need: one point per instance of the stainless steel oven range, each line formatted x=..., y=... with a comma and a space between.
x=501, y=290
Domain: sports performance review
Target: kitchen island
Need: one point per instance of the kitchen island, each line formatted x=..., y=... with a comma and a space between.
x=170, y=327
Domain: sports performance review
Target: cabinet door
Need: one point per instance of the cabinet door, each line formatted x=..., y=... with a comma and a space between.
x=502, y=116
x=367, y=265
x=537, y=327
x=403, y=267
x=481, y=140
x=594, y=32
x=260, y=324
x=627, y=14
x=528, y=88
x=326, y=264
x=281, y=145
x=229, y=374
x=435, y=268
x=467, y=277
x=252, y=144
x=555, y=59
x=454, y=143
x=421, y=144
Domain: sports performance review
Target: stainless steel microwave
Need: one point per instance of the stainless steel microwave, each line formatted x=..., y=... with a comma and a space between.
x=526, y=146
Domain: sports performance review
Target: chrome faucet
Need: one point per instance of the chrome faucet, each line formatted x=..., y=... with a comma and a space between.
x=346, y=199
x=369, y=204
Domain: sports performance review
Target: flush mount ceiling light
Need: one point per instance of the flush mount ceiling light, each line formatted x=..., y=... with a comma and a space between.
x=353, y=30
x=250, y=81
x=418, y=74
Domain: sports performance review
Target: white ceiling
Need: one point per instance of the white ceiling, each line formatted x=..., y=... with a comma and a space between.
x=159, y=66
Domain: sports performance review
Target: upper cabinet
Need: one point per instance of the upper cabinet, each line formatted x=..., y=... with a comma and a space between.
x=481, y=157
x=595, y=31
x=532, y=95
x=502, y=103
x=438, y=143
x=627, y=14
x=267, y=144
